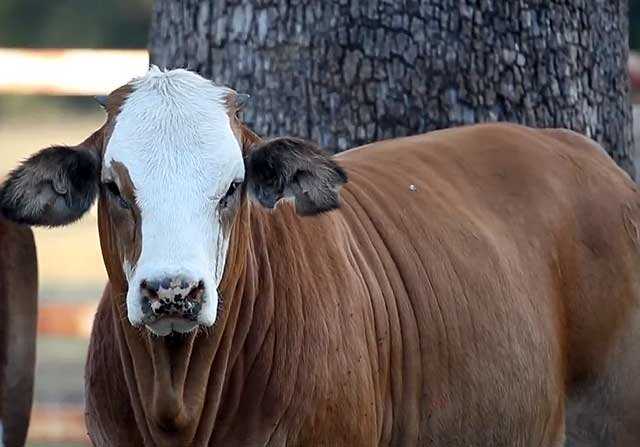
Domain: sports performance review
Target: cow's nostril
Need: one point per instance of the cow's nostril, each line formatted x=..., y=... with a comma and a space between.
x=150, y=285
x=149, y=289
x=196, y=293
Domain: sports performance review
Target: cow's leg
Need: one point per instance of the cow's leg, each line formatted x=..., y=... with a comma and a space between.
x=607, y=412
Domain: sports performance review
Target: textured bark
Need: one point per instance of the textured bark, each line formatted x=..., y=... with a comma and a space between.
x=347, y=72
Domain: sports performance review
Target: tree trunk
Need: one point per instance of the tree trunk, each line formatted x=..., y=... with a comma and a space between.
x=348, y=72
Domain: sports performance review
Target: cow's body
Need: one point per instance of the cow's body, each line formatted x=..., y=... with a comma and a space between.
x=476, y=286
x=18, y=317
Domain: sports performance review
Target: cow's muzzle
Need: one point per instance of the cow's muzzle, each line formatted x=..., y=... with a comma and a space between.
x=172, y=297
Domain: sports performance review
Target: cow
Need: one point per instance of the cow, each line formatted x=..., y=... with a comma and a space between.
x=18, y=318
x=477, y=286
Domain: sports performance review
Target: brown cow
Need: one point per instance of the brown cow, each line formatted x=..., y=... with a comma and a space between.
x=18, y=318
x=473, y=287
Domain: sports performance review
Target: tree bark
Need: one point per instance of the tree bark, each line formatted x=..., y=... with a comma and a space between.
x=348, y=72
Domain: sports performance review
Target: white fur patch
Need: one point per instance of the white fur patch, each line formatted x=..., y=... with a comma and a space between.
x=128, y=270
x=174, y=136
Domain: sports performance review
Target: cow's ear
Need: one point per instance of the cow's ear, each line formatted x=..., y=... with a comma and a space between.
x=294, y=168
x=56, y=186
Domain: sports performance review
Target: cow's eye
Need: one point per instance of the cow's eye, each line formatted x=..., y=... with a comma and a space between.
x=112, y=188
x=233, y=188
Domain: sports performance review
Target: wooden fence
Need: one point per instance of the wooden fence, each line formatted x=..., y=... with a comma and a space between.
x=68, y=71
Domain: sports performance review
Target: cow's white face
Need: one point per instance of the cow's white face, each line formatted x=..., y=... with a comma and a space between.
x=168, y=169
x=172, y=143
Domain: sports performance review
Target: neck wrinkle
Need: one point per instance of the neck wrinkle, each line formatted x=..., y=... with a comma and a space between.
x=239, y=292
x=253, y=322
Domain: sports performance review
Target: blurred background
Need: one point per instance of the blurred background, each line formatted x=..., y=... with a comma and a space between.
x=53, y=57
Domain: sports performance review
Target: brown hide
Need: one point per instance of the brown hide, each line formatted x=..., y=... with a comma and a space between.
x=18, y=318
x=472, y=279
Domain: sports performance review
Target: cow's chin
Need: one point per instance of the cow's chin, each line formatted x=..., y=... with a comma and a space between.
x=168, y=325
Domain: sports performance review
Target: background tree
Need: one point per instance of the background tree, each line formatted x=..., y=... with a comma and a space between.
x=74, y=23
x=347, y=72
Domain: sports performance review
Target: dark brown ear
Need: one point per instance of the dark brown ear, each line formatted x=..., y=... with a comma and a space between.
x=294, y=168
x=56, y=186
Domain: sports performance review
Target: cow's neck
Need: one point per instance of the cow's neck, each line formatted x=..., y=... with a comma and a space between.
x=178, y=385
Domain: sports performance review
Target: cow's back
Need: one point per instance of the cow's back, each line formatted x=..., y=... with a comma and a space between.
x=506, y=262
x=18, y=317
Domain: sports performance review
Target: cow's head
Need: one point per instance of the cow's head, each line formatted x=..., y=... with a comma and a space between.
x=171, y=168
